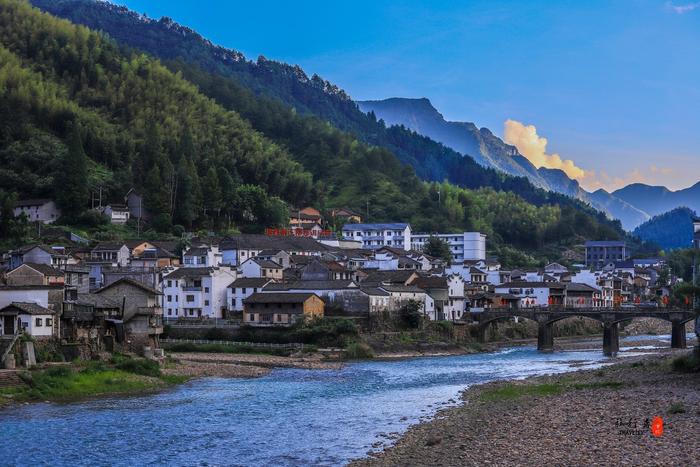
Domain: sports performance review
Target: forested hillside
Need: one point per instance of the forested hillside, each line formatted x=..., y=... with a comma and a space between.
x=78, y=111
x=180, y=46
x=671, y=230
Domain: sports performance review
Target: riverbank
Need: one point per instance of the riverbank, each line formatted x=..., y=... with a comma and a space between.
x=68, y=382
x=581, y=418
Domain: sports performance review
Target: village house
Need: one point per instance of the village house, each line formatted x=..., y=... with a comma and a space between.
x=35, y=274
x=580, y=296
x=375, y=236
x=379, y=300
x=196, y=292
x=538, y=294
x=37, y=210
x=281, y=309
x=255, y=267
x=47, y=298
x=280, y=257
x=28, y=317
x=202, y=256
x=39, y=254
x=346, y=215
x=463, y=246
x=242, y=288
x=116, y=213
x=436, y=287
x=141, y=312
x=238, y=248
x=134, y=202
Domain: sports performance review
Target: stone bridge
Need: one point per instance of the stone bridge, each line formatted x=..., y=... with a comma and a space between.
x=610, y=318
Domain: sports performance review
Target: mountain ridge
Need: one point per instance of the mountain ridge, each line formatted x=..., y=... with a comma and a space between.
x=420, y=115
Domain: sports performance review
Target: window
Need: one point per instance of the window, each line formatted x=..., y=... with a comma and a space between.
x=39, y=322
x=49, y=322
x=198, y=283
x=170, y=283
x=279, y=318
x=206, y=302
x=206, y=289
x=177, y=298
x=170, y=298
x=190, y=298
x=251, y=317
x=243, y=290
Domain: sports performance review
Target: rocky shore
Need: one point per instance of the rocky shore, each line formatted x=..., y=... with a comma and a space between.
x=199, y=364
x=591, y=417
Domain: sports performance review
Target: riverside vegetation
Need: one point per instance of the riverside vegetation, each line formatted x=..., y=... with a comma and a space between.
x=120, y=374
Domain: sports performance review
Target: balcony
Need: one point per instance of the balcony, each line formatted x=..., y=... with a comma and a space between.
x=192, y=289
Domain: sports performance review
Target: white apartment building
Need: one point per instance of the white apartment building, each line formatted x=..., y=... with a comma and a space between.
x=196, y=292
x=375, y=236
x=463, y=246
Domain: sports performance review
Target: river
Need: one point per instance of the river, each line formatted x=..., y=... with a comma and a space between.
x=290, y=417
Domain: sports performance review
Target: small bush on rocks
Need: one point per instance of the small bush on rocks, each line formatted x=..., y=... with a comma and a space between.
x=358, y=350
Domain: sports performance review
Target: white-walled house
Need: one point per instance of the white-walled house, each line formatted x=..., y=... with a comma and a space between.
x=256, y=267
x=455, y=305
x=373, y=236
x=242, y=288
x=463, y=246
x=31, y=318
x=539, y=294
x=37, y=210
x=191, y=292
x=116, y=213
x=202, y=256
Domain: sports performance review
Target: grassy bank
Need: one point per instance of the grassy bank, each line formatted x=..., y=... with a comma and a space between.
x=121, y=375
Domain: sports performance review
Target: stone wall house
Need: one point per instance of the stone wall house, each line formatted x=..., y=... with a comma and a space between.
x=281, y=309
x=142, y=314
x=35, y=274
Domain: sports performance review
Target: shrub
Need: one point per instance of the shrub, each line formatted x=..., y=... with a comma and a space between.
x=687, y=363
x=139, y=366
x=358, y=350
x=676, y=407
x=58, y=371
x=410, y=314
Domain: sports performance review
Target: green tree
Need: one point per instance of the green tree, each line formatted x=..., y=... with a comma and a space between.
x=211, y=190
x=71, y=187
x=410, y=314
x=189, y=194
x=437, y=248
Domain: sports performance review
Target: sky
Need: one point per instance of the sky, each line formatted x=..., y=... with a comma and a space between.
x=608, y=91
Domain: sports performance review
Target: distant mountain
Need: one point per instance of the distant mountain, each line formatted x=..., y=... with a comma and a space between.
x=488, y=150
x=629, y=215
x=671, y=230
x=656, y=200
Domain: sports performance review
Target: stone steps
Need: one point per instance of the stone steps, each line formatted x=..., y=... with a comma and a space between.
x=11, y=379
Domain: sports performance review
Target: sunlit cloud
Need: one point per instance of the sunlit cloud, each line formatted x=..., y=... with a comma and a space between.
x=683, y=9
x=602, y=179
x=534, y=147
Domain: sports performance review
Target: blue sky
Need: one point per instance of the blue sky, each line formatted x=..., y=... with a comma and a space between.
x=614, y=87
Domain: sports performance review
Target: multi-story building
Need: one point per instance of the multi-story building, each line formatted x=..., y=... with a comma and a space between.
x=603, y=252
x=463, y=246
x=37, y=210
x=375, y=236
x=696, y=232
x=242, y=288
x=193, y=292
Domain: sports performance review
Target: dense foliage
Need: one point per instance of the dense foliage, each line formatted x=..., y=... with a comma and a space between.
x=232, y=158
x=670, y=230
x=438, y=248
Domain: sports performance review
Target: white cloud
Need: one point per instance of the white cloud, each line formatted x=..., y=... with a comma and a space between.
x=683, y=9
x=534, y=147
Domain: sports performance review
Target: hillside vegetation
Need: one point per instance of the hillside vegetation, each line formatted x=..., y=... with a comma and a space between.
x=73, y=98
x=670, y=230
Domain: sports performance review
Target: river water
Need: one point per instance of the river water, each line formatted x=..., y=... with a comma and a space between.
x=290, y=417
